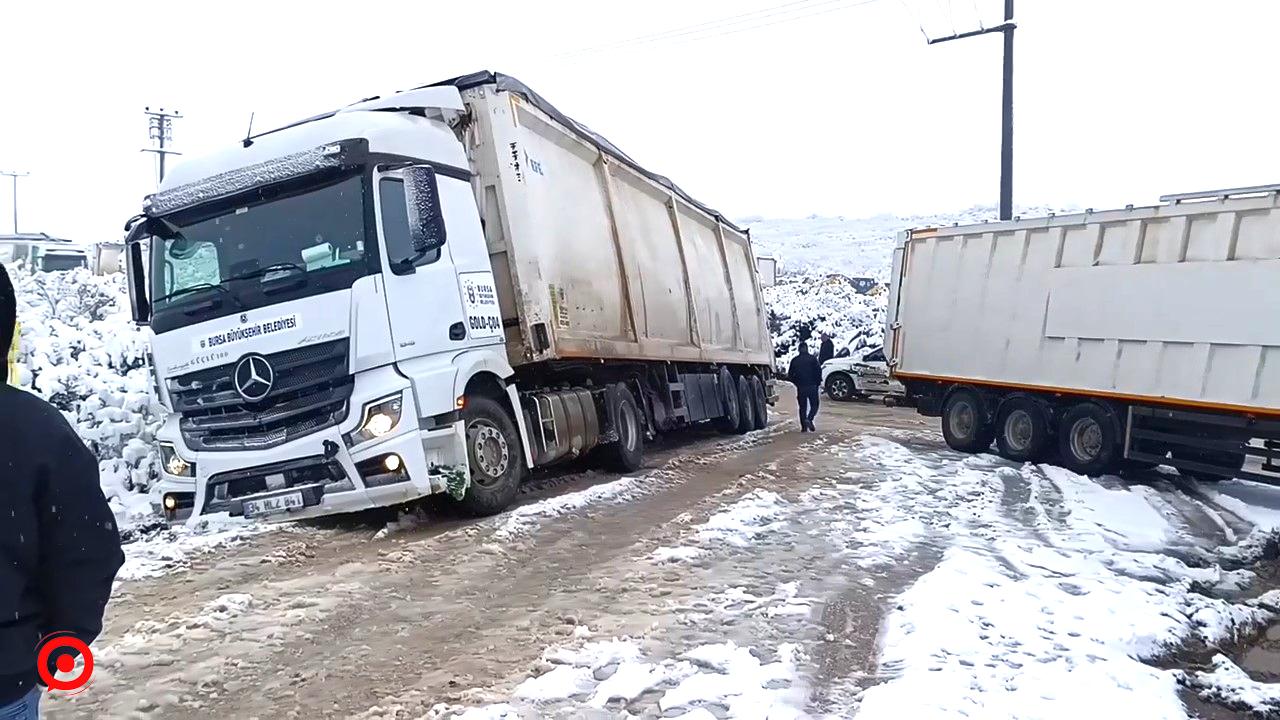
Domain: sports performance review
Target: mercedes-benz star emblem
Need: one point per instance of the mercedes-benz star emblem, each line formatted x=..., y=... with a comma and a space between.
x=254, y=377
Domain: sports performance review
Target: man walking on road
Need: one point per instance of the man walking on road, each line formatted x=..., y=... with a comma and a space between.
x=806, y=374
x=59, y=548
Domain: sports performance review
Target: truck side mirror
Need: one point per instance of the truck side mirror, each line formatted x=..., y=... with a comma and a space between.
x=422, y=198
x=139, y=305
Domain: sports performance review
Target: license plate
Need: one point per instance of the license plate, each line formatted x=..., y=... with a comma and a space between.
x=273, y=505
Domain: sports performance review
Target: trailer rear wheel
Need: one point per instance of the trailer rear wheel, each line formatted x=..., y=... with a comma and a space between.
x=746, y=401
x=1089, y=440
x=494, y=454
x=728, y=422
x=964, y=424
x=627, y=454
x=760, y=404
x=1022, y=430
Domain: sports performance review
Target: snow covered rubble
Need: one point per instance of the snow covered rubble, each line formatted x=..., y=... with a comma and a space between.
x=1048, y=595
x=80, y=350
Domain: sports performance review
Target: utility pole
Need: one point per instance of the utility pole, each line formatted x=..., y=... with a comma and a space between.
x=1006, y=115
x=14, y=175
x=160, y=129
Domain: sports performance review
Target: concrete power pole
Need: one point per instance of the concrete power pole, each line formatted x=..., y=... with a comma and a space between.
x=160, y=129
x=1006, y=114
x=14, y=175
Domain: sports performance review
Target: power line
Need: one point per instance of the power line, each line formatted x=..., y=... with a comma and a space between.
x=789, y=19
x=784, y=13
x=916, y=20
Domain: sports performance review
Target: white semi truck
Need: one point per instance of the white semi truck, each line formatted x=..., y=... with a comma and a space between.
x=432, y=292
x=1103, y=340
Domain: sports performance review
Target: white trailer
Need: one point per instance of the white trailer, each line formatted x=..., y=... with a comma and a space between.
x=1126, y=337
x=433, y=292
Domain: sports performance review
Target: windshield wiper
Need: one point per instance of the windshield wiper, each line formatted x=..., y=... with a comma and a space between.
x=259, y=272
x=198, y=287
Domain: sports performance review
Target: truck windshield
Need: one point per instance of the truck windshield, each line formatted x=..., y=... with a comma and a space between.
x=318, y=231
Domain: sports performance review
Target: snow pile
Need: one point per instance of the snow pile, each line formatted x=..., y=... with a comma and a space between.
x=1052, y=590
x=1228, y=685
x=738, y=525
x=613, y=675
x=525, y=519
x=167, y=549
x=80, y=350
x=800, y=307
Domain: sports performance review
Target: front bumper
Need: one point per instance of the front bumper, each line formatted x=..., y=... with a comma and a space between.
x=321, y=466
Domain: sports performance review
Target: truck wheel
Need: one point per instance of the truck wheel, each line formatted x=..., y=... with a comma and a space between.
x=1022, y=430
x=964, y=425
x=761, y=404
x=840, y=387
x=494, y=454
x=728, y=422
x=627, y=454
x=1088, y=440
x=746, y=401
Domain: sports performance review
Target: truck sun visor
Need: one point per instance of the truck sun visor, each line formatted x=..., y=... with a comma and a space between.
x=234, y=181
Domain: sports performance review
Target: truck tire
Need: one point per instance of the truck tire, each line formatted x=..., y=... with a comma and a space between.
x=1089, y=440
x=1022, y=430
x=729, y=405
x=627, y=454
x=760, y=404
x=746, y=401
x=964, y=424
x=841, y=387
x=494, y=455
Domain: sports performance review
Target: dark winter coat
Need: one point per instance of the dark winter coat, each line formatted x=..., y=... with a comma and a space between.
x=826, y=351
x=805, y=371
x=59, y=547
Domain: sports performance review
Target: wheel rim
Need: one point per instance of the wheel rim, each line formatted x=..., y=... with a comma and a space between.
x=627, y=430
x=840, y=387
x=1018, y=430
x=1086, y=439
x=963, y=419
x=490, y=450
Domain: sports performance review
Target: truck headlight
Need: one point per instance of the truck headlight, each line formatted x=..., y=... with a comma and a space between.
x=173, y=462
x=379, y=418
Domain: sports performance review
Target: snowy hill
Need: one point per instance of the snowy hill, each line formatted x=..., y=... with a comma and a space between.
x=859, y=247
x=817, y=255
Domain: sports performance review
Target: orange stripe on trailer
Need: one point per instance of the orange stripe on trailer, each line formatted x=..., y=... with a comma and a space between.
x=1179, y=402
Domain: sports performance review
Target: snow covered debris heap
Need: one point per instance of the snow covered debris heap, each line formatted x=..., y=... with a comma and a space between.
x=80, y=351
x=801, y=306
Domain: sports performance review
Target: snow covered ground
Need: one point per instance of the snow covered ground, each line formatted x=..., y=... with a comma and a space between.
x=1043, y=594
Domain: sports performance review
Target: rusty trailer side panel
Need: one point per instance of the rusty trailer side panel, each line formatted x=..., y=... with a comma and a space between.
x=594, y=259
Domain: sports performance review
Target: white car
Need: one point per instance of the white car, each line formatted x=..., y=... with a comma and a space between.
x=848, y=378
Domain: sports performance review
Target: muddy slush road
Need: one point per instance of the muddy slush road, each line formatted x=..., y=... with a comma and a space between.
x=327, y=620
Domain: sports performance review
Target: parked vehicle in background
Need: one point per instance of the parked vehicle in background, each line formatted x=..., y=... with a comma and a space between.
x=1129, y=337
x=108, y=258
x=433, y=292
x=767, y=267
x=860, y=377
x=42, y=253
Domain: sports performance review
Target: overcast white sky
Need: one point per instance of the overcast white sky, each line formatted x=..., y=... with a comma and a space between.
x=817, y=106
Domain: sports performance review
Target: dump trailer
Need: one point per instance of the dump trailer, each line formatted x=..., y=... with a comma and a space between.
x=1101, y=340
x=433, y=292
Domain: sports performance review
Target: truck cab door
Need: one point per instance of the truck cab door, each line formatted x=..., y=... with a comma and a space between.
x=422, y=297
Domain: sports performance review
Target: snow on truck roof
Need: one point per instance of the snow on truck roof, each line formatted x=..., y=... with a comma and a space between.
x=326, y=127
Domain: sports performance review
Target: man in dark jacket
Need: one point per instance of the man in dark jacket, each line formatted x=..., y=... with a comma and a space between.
x=59, y=548
x=826, y=350
x=806, y=375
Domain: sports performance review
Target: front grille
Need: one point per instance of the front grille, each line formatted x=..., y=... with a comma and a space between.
x=311, y=392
